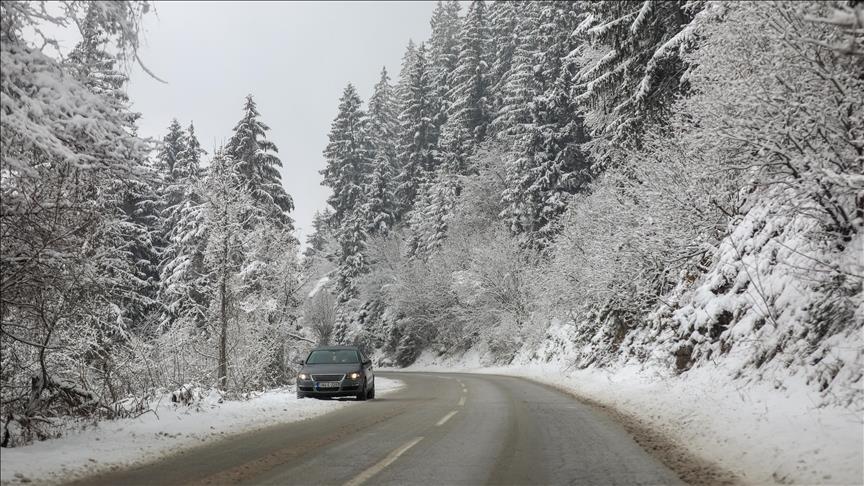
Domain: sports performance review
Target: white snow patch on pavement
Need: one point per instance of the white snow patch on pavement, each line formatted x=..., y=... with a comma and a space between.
x=121, y=443
x=761, y=433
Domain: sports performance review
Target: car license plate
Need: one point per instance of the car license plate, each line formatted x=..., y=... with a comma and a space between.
x=328, y=384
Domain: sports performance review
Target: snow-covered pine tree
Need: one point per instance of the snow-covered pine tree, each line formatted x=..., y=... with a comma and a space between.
x=507, y=29
x=173, y=143
x=639, y=70
x=137, y=207
x=259, y=166
x=349, y=165
x=184, y=288
x=348, y=156
x=514, y=69
x=428, y=221
x=351, y=236
x=400, y=91
x=380, y=200
x=418, y=148
x=443, y=53
x=548, y=161
x=322, y=233
x=468, y=113
x=383, y=128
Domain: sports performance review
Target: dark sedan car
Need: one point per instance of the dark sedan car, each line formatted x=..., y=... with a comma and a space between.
x=336, y=372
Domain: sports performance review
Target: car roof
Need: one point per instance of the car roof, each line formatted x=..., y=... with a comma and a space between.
x=337, y=348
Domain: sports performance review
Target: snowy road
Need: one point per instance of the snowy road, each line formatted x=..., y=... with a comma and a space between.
x=440, y=428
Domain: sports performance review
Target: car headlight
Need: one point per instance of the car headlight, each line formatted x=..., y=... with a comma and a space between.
x=303, y=376
x=354, y=376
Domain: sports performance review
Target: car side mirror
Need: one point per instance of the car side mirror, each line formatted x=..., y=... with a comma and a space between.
x=367, y=362
x=301, y=362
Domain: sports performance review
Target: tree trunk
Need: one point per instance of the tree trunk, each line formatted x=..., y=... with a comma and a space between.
x=223, y=337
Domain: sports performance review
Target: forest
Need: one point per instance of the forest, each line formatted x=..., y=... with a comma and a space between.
x=667, y=181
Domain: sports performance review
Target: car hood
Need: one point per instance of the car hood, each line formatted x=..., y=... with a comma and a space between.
x=331, y=368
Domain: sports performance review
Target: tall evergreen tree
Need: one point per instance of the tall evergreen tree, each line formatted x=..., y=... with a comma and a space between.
x=348, y=156
x=469, y=112
x=443, y=54
x=642, y=70
x=173, y=144
x=418, y=149
x=322, y=232
x=184, y=287
x=349, y=163
x=401, y=91
x=507, y=29
x=516, y=83
x=383, y=129
x=259, y=166
x=548, y=137
x=135, y=204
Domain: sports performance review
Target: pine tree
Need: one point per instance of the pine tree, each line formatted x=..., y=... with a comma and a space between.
x=469, y=113
x=184, y=286
x=349, y=164
x=401, y=91
x=259, y=167
x=642, y=71
x=322, y=232
x=135, y=204
x=429, y=219
x=348, y=156
x=380, y=202
x=549, y=161
x=516, y=83
x=508, y=22
x=443, y=54
x=173, y=143
x=380, y=189
x=418, y=149
x=351, y=236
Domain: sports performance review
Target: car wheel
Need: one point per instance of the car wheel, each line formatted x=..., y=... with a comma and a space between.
x=371, y=393
x=362, y=395
x=300, y=395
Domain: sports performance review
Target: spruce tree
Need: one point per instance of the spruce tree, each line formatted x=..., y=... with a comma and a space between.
x=418, y=149
x=507, y=29
x=348, y=156
x=642, y=71
x=469, y=112
x=443, y=54
x=349, y=163
x=184, y=287
x=259, y=167
x=173, y=143
x=400, y=91
x=545, y=127
x=383, y=128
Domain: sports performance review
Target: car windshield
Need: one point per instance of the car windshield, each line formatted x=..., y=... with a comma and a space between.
x=339, y=356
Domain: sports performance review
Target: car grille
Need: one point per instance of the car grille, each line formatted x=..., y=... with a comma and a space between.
x=328, y=377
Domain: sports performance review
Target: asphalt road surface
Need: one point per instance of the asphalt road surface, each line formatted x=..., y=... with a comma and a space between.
x=439, y=429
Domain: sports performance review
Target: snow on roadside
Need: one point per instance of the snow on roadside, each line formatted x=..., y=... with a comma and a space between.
x=121, y=443
x=761, y=433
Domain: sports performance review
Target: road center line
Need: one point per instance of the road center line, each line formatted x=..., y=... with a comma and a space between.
x=446, y=418
x=383, y=463
x=461, y=401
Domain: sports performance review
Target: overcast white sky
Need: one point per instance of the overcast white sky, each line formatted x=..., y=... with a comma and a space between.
x=294, y=57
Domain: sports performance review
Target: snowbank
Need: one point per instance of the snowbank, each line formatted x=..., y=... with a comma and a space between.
x=760, y=433
x=121, y=443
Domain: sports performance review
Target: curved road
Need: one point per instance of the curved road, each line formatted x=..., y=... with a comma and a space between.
x=439, y=429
